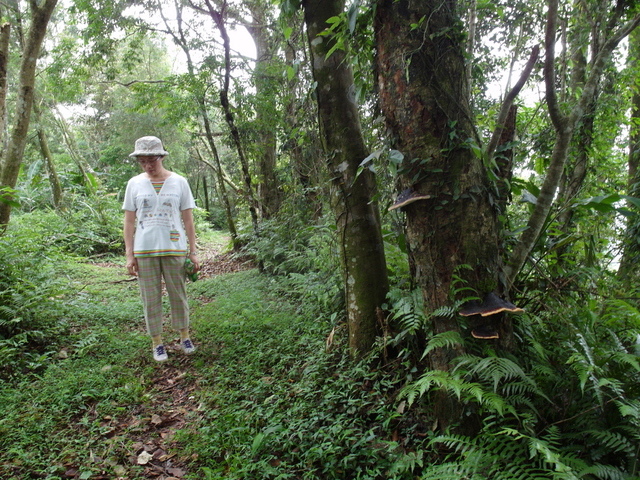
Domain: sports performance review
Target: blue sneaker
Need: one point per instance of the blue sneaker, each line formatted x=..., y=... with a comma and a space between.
x=160, y=354
x=188, y=347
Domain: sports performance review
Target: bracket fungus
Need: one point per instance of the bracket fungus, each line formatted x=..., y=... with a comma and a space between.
x=406, y=197
x=490, y=305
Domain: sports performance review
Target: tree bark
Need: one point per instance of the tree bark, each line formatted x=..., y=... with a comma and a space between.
x=89, y=177
x=628, y=271
x=218, y=18
x=424, y=97
x=54, y=180
x=5, y=33
x=267, y=88
x=357, y=214
x=12, y=158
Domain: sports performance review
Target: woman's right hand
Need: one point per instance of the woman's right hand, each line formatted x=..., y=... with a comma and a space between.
x=132, y=265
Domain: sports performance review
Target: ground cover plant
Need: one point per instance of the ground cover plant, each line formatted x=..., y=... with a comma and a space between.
x=274, y=393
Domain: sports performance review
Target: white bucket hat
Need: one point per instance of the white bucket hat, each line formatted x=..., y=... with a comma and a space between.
x=149, y=147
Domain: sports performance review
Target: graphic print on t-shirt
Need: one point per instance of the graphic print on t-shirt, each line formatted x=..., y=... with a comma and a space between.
x=158, y=212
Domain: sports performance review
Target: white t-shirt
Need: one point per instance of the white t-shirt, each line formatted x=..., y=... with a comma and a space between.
x=159, y=229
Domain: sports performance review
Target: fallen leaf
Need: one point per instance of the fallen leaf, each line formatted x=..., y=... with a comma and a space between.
x=176, y=472
x=119, y=470
x=144, y=458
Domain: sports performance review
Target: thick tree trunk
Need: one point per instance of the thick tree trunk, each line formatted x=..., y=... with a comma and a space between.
x=357, y=215
x=12, y=159
x=425, y=100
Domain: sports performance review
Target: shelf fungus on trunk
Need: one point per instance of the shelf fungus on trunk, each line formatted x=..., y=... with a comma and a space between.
x=406, y=197
x=487, y=314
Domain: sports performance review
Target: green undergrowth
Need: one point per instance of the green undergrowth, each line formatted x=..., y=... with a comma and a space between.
x=275, y=403
x=89, y=368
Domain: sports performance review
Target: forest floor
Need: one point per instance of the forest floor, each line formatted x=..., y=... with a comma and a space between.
x=150, y=430
x=264, y=396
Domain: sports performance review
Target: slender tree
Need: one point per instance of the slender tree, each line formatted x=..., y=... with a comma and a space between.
x=54, y=179
x=218, y=17
x=40, y=15
x=566, y=116
x=353, y=190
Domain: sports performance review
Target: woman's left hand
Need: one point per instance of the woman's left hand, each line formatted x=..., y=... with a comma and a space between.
x=196, y=264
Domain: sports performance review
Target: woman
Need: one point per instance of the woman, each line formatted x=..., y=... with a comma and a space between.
x=158, y=233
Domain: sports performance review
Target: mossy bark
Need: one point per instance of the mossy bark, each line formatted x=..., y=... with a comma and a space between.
x=266, y=111
x=357, y=214
x=12, y=157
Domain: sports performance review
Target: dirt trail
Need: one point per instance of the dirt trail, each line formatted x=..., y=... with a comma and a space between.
x=145, y=438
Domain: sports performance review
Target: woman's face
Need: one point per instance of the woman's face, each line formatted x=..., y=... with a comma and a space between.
x=151, y=165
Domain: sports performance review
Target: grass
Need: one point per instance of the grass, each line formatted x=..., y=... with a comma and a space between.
x=271, y=402
x=275, y=403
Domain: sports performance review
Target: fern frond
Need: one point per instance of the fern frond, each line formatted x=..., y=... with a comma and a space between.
x=447, y=339
x=612, y=441
x=604, y=472
x=456, y=385
x=619, y=311
x=630, y=408
x=408, y=312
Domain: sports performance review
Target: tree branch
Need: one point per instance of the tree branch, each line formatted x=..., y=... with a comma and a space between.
x=509, y=99
x=565, y=127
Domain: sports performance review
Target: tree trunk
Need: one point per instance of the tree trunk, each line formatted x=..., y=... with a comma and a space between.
x=218, y=19
x=5, y=31
x=12, y=158
x=424, y=98
x=54, y=180
x=267, y=88
x=628, y=271
x=357, y=214
x=306, y=163
x=231, y=226
x=89, y=177
x=200, y=99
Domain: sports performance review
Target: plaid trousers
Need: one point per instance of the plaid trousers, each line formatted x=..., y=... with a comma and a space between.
x=151, y=271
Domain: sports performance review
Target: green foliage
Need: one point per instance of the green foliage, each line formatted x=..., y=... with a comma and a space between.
x=305, y=254
x=89, y=226
x=29, y=309
x=276, y=404
x=79, y=368
x=564, y=407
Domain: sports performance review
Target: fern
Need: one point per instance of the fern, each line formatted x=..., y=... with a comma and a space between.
x=408, y=310
x=612, y=441
x=449, y=339
x=504, y=455
x=458, y=386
